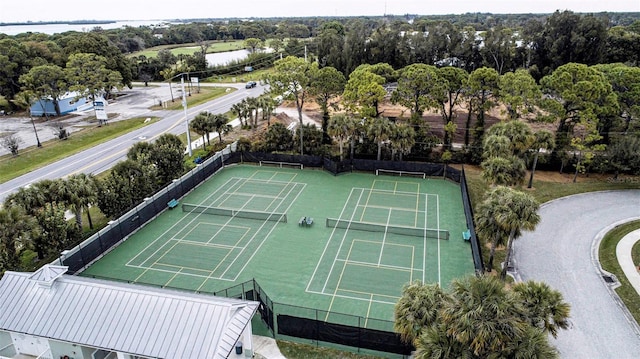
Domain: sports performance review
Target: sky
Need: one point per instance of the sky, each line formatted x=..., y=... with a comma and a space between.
x=60, y=10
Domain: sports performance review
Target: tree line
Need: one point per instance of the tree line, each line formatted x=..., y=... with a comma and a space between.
x=33, y=218
x=539, y=43
x=592, y=108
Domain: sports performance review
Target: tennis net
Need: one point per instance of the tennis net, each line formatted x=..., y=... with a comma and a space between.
x=376, y=227
x=265, y=216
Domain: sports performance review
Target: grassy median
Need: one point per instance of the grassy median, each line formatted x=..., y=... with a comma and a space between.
x=609, y=262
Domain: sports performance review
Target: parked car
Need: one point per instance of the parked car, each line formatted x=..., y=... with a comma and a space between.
x=250, y=84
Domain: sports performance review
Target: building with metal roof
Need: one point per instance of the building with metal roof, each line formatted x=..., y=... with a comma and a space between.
x=48, y=314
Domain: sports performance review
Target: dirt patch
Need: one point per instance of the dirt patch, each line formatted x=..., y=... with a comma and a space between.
x=254, y=133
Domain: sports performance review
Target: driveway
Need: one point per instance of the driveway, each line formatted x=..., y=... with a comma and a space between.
x=563, y=253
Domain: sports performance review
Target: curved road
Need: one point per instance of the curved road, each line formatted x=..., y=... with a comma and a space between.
x=563, y=253
x=105, y=155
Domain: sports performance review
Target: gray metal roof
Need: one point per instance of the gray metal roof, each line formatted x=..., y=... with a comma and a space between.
x=133, y=319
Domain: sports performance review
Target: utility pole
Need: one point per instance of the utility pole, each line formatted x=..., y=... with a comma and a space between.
x=186, y=119
x=305, y=52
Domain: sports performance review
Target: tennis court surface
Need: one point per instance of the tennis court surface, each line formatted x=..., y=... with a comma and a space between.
x=340, y=244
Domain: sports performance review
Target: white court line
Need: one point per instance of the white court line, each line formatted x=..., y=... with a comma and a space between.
x=355, y=298
x=405, y=209
x=341, y=242
x=173, y=246
x=400, y=193
x=424, y=246
x=257, y=249
x=344, y=207
x=170, y=228
x=173, y=272
x=384, y=237
x=204, y=244
x=382, y=266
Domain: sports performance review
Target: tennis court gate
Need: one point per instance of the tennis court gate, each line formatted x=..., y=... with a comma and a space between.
x=104, y=240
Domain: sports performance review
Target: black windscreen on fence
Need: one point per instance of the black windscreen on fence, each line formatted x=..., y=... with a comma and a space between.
x=85, y=253
x=476, y=250
x=110, y=237
x=147, y=211
x=342, y=334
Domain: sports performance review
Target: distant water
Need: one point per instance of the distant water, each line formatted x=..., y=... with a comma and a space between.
x=223, y=58
x=51, y=29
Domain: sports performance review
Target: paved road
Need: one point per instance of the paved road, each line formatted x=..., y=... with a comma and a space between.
x=104, y=156
x=563, y=252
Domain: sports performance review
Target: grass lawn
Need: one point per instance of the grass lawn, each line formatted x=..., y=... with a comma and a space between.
x=51, y=151
x=205, y=94
x=609, y=262
x=190, y=49
x=635, y=253
x=304, y=351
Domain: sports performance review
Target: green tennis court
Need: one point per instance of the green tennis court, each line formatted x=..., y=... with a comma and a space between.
x=341, y=244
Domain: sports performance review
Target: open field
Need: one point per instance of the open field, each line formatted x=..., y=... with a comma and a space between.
x=190, y=49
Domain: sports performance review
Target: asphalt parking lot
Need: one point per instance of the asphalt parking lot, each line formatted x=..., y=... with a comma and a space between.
x=130, y=103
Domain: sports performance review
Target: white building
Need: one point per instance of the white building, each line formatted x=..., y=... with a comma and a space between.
x=47, y=314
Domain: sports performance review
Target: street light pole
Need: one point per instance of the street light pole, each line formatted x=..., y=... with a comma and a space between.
x=186, y=119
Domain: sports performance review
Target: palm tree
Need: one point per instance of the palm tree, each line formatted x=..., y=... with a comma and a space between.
x=518, y=133
x=518, y=212
x=546, y=308
x=355, y=132
x=496, y=146
x=31, y=198
x=341, y=127
x=533, y=344
x=402, y=139
x=267, y=104
x=542, y=140
x=240, y=110
x=487, y=226
x=380, y=131
x=484, y=317
x=201, y=125
x=503, y=171
x=435, y=343
x=252, y=107
x=417, y=309
x=220, y=125
x=83, y=191
x=480, y=317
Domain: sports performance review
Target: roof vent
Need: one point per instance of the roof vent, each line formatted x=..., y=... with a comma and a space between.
x=46, y=275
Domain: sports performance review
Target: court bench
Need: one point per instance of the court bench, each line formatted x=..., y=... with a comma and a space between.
x=173, y=203
x=305, y=221
x=466, y=235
